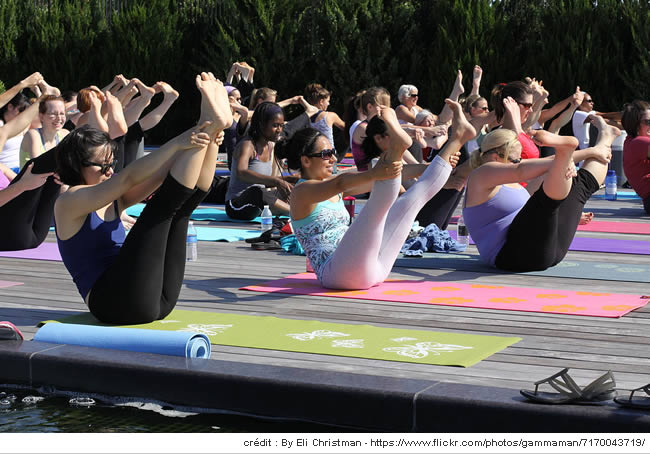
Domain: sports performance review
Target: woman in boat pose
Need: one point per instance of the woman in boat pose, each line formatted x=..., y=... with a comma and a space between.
x=362, y=255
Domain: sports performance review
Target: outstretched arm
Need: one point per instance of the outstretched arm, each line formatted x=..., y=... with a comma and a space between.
x=135, y=108
x=153, y=118
x=558, y=107
x=30, y=81
x=540, y=99
x=28, y=182
x=565, y=117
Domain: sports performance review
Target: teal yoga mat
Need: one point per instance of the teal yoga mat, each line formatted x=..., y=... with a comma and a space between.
x=200, y=214
x=225, y=234
x=176, y=343
x=620, y=195
x=606, y=271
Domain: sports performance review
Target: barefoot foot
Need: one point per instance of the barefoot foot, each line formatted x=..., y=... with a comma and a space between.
x=214, y=103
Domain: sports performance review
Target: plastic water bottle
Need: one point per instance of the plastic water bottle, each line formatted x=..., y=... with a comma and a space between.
x=192, y=253
x=267, y=219
x=462, y=235
x=610, y=185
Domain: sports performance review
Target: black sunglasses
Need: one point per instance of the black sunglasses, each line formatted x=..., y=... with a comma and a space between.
x=103, y=166
x=527, y=105
x=646, y=121
x=413, y=95
x=323, y=154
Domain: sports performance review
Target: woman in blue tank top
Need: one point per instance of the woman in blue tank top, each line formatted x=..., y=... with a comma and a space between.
x=529, y=229
x=362, y=255
x=136, y=279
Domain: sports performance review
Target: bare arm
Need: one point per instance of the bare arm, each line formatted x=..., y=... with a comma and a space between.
x=28, y=182
x=306, y=195
x=29, y=81
x=153, y=118
x=565, y=117
x=243, y=154
x=135, y=108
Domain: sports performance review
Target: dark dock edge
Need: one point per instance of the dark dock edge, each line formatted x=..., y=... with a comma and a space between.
x=357, y=401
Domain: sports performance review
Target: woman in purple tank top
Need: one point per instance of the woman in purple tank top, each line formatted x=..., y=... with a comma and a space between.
x=519, y=229
x=137, y=279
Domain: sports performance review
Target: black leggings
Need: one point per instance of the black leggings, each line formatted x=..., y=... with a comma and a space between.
x=541, y=233
x=440, y=208
x=143, y=283
x=27, y=218
x=246, y=206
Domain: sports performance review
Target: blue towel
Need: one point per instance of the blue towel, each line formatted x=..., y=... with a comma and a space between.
x=291, y=244
x=175, y=343
x=431, y=239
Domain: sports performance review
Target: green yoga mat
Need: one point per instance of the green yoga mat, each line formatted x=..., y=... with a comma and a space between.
x=359, y=341
x=606, y=271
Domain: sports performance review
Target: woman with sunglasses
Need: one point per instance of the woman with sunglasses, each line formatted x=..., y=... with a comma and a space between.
x=136, y=278
x=362, y=254
x=522, y=94
x=514, y=229
x=408, y=109
x=636, y=149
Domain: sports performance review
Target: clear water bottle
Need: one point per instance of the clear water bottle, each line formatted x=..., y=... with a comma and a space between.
x=610, y=185
x=462, y=235
x=267, y=219
x=192, y=253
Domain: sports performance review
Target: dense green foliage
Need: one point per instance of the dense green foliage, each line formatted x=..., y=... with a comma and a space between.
x=601, y=45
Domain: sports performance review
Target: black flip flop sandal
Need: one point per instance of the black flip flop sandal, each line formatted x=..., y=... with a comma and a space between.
x=568, y=391
x=268, y=246
x=642, y=402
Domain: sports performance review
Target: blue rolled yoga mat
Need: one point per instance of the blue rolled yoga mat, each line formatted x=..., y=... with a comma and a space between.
x=175, y=343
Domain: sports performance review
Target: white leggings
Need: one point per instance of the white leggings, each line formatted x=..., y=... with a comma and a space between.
x=367, y=251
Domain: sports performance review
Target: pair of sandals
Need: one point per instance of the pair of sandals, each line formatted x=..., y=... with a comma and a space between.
x=269, y=240
x=601, y=389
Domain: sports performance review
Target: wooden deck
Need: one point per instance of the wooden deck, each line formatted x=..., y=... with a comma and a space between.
x=588, y=345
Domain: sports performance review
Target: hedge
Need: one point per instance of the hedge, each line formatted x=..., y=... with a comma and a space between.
x=346, y=45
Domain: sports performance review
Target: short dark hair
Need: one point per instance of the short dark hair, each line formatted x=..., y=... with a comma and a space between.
x=300, y=144
x=76, y=149
x=632, y=114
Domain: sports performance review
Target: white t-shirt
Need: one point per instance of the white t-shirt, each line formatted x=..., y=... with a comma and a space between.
x=580, y=129
x=10, y=154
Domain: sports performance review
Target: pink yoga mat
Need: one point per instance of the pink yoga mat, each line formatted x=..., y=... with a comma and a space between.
x=640, y=228
x=4, y=284
x=470, y=295
x=46, y=251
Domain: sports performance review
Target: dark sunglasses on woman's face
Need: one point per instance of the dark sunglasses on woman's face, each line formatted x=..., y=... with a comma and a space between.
x=646, y=121
x=413, y=95
x=323, y=154
x=103, y=166
x=526, y=105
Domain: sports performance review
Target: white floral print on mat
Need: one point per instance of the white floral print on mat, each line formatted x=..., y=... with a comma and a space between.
x=348, y=343
x=404, y=339
x=209, y=330
x=318, y=334
x=422, y=349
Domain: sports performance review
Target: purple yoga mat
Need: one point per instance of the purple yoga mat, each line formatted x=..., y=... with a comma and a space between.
x=603, y=245
x=46, y=251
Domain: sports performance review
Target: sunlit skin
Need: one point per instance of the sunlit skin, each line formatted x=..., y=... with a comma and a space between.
x=481, y=107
